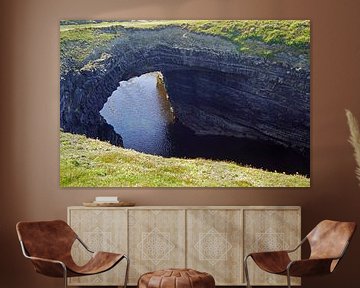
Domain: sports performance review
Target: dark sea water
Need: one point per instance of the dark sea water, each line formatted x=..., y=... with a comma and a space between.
x=143, y=118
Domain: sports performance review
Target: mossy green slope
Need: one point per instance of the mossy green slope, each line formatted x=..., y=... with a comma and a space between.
x=87, y=162
x=80, y=41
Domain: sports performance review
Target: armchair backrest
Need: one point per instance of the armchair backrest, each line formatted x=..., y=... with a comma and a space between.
x=46, y=239
x=329, y=239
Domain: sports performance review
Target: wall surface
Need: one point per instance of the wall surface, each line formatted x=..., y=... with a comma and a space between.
x=29, y=119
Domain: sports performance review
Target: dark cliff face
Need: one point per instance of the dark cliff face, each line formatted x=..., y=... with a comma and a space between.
x=214, y=89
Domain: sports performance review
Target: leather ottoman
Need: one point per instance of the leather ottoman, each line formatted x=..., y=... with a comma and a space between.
x=176, y=278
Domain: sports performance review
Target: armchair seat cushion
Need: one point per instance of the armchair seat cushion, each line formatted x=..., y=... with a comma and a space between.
x=99, y=262
x=272, y=262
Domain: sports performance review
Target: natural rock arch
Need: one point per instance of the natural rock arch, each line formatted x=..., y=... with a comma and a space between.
x=213, y=88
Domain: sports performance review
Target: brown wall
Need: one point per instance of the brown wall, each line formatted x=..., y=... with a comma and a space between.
x=29, y=119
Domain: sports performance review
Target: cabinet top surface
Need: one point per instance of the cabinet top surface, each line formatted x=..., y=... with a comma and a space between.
x=192, y=207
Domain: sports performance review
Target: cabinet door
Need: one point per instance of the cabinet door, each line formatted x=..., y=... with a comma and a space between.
x=270, y=230
x=214, y=244
x=156, y=240
x=101, y=230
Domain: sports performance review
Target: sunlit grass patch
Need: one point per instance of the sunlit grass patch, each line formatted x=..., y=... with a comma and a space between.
x=87, y=162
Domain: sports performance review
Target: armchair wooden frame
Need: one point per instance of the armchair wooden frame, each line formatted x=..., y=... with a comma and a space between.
x=100, y=261
x=320, y=261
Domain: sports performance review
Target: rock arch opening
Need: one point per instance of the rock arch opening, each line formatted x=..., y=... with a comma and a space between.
x=140, y=111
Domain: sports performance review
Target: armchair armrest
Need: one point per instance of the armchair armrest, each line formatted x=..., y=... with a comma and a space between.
x=83, y=244
x=298, y=246
x=271, y=261
x=49, y=267
x=279, y=252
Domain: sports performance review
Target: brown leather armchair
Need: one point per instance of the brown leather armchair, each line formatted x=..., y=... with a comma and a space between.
x=48, y=245
x=328, y=242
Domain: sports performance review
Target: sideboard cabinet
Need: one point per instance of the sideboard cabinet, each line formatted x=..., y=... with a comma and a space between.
x=212, y=239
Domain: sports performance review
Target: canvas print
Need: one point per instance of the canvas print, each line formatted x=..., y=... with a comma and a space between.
x=185, y=103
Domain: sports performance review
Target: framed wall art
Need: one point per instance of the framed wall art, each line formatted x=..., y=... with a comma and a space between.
x=185, y=103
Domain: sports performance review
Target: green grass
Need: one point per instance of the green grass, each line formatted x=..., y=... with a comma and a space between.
x=295, y=34
x=89, y=24
x=78, y=44
x=87, y=162
x=79, y=39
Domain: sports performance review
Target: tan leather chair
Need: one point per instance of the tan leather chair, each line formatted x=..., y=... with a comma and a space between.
x=328, y=242
x=48, y=245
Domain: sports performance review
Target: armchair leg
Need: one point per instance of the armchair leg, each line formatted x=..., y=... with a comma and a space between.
x=65, y=276
x=127, y=271
x=288, y=278
x=246, y=270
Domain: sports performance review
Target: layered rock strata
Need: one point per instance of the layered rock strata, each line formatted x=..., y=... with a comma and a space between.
x=214, y=89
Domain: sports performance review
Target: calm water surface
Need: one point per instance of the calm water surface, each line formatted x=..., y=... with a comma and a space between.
x=143, y=118
x=140, y=115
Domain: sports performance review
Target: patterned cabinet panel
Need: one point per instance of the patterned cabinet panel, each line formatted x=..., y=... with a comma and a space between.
x=156, y=240
x=101, y=230
x=210, y=239
x=271, y=229
x=214, y=244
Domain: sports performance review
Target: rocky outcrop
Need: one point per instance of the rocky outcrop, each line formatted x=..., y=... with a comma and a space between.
x=213, y=88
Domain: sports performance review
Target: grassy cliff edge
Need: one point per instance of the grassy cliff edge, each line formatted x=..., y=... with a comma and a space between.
x=86, y=162
x=79, y=39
